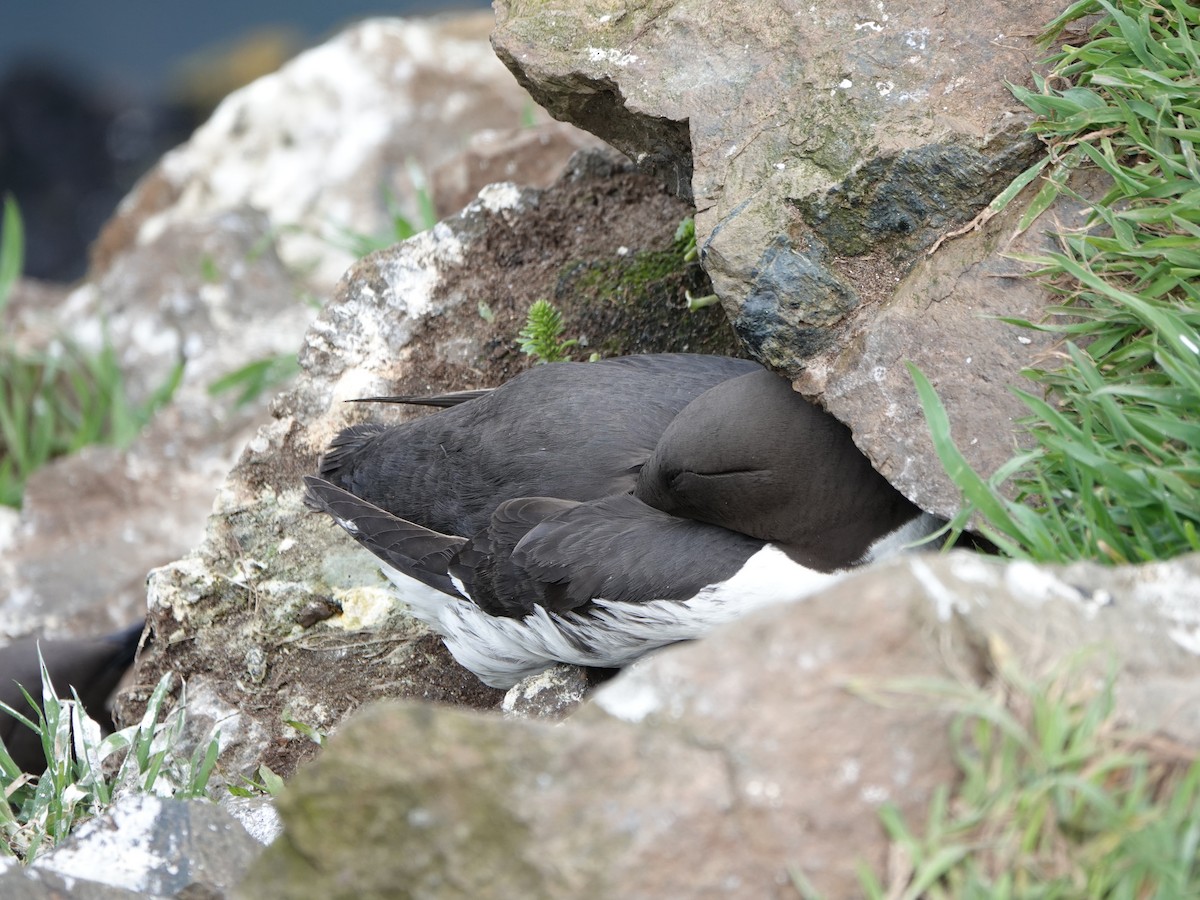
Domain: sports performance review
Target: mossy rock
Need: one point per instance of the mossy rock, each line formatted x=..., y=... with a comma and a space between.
x=638, y=303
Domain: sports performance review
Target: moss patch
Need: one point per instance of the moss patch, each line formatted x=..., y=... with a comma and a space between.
x=623, y=305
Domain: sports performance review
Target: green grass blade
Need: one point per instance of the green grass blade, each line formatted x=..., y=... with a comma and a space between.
x=12, y=249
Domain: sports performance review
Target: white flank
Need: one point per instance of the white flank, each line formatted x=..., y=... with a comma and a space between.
x=502, y=650
x=427, y=604
x=898, y=541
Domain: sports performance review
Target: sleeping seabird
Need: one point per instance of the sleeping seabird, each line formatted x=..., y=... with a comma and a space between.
x=591, y=512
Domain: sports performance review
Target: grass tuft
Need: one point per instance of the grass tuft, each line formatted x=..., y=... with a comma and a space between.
x=1115, y=472
x=402, y=227
x=1054, y=801
x=12, y=249
x=685, y=240
x=57, y=401
x=253, y=379
x=85, y=772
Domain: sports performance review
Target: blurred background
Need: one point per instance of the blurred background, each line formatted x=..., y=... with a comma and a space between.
x=92, y=94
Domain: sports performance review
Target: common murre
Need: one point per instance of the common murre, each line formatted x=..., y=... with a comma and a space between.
x=590, y=512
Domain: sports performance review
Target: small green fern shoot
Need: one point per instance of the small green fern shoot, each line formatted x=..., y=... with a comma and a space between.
x=540, y=338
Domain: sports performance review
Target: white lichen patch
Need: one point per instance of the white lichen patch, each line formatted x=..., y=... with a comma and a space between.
x=1036, y=585
x=875, y=794
x=10, y=520
x=1172, y=589
x=610, y=55
x=767, y=793
x=945, y=601
x=412, y=276
x=1187, y=638
x=257, y=815
x=351, y=385
x=974, y=569
x=917, y=39
x=501, y=196
x=529, y=688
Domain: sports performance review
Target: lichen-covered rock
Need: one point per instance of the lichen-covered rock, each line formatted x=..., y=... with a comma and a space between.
x=198, y=302
x=721, y=767
x=828, y=146
x=552, y=694
x=144, y=846
x=327, y=146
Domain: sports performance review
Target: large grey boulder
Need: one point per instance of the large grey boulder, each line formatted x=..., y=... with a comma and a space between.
x=722, y=768
x=828, y=146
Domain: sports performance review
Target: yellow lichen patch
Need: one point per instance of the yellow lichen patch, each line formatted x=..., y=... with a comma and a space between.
x=362, y=607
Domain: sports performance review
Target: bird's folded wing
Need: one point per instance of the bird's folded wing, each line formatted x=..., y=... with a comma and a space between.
x=620, y=549
x=442, y=401
x=416, y=551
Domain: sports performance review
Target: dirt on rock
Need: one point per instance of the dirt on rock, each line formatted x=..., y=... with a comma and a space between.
x=601, y=247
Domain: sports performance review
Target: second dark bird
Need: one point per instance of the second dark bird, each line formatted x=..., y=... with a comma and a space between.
x=92, y=666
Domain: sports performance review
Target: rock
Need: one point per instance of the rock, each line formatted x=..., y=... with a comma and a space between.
x=188, y=271
x=144, y=846
x=945, y=318
x=18, y=883
x=239, y=611
x=199, y=301
x=828, y=148
x=1139, y=623
x=531, y=157
x=720, y=767
x=552, y=694
x=318, y=146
